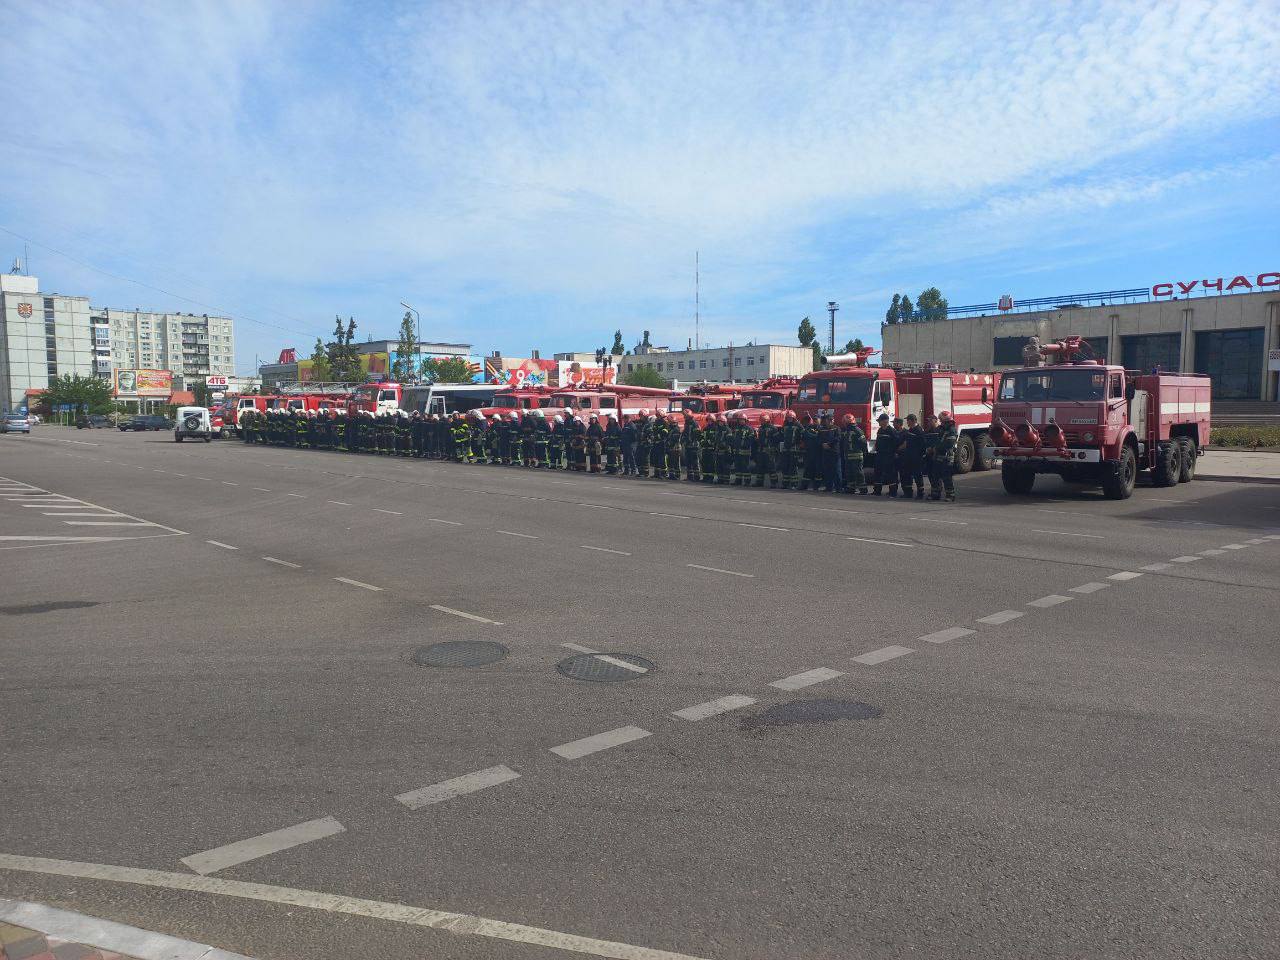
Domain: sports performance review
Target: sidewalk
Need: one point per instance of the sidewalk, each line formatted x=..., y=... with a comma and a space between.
x=31, y=931
x=1243, y=466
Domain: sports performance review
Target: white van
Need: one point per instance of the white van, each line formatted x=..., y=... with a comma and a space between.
x=193, y=423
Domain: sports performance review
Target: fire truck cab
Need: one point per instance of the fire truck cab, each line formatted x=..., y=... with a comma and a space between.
x=620, y=402
x=772, y=398
x=706, y=401
x=516, y=400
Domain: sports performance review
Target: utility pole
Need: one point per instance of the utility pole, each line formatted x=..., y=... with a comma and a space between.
x=697, y=302
x=832, y=307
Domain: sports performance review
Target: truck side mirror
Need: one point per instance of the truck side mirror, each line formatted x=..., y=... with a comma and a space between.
x=1130, y=388
x=984, y=394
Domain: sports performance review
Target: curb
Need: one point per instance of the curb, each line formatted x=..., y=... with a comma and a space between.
x=81, y=930
x=1225, y=478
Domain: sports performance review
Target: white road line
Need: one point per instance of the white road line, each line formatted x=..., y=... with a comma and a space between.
x=79, y=512
x=958, y=523
x=394, y=513
x=1050, y=601
x=732, y=573
x=762, y=503
x=512, y=533
x=621, y=663
x=1185, y=559
x=1064, y=533
x=464, y=614
x=108, y=523
x=885, y=543
x=595, y=506
x=807, y=679
x=1124, y=575
x=224, y=546
x=358, y=583
x=459, y=924
x=298, y=495
x=283, y=563
x=1155, y=567
x=457, y=787
x=579, y=648
x=564, y=481
x=219, y=858
x=891, y=652
x=1089, y=588
x=670, y=516
x=947, y=635
x=700, y=711
x=575, y=749
x=452, y=523
x=261, y=489
x=1257, y=540
x=210, y=479
x=621, y=553
x=760, y=526
x=340, y=503
x=1003, y=616
x=231, y=483
x=1233, y=546
x=1212, y=553
x=182, y=475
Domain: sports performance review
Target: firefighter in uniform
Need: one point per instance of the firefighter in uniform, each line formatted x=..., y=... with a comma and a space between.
x=595, y=443
x=642, y=443
x=829, y=438
x=691, y=440
x=657, y=443
x=709, y=444
x=886, y=448
x=724, y=450
x=792, y=451
x=767, y=438
x=911, y=472
x=541, y=439
x=675, y=449
x=612, y=445
x=555, y=443
x=577, y=445
x=630, y=439
x=811, y=434
x=460, y=434
x=853, y=447
x=944, y=459
x=744, y=444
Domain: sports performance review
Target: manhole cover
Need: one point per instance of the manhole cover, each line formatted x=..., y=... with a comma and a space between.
x=460, y=653
x=604, y=667
x=811, y=711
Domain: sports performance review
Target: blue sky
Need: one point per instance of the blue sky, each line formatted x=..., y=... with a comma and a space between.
x=536, y=175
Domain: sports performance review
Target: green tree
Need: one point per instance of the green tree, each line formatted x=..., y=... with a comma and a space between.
x=853, y=346
x=806, y=333
x=320, y=371
x=818, y=358
x=85, y=394
x=932, y=304
x=644, y=377
x=905, y=309
x=618, y=349
x=403, y=363
x=892, y=315
x=446, y=370
x=200, y=392
x=344, y=359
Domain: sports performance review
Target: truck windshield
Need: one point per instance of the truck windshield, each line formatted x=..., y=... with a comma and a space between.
x=851, y=390
x=1033, y=386
x=509, y=400
x=692, y=404
x=763, y=401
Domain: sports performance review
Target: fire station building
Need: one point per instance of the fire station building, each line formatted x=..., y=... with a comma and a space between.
x=1233, y=337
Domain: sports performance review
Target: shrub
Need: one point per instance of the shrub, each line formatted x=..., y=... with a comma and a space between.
x=1254, y=436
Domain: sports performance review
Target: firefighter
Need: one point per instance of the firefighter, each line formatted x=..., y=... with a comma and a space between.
x=642, y=443
x=853, y=447
x=301, y=428
x=577, y=445
x=595, y=443
x=885, y=449
x=246, y=427
x=709, y=443
x=541, y=439
x=555, y=443
x=431, y=430
x=944, y=458
x=830, y=439
x=657, y=443
x=630, y=439
x=674, y=449
x=811, y=434
x=528, y=442
x=691, y=441
x=744, y=447
x=911, y=470
x=792, y=451
x=724, y=451
x=767, y=438
x=493, y=427
x=612, y=446
x=460, y=433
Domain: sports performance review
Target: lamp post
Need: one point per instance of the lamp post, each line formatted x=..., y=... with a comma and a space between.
x=417, y=331
x=832, y=307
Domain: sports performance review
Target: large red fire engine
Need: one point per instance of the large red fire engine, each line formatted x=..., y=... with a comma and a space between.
x=705, y=401
x=850, y=386
x=772, y=398
x=615, y=400
x=517, y=400
x=1091, y=422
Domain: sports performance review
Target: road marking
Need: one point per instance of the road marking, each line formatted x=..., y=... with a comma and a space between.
x=358, y=583
x=1050, y=601
x=231, y=483
x=579, y=648
x=576, y=749
x=76, y=513
x=1003, y=616
x=108, y=523
x=760, y=526
x=886, y=543
x=958, y=523
x=341, y=503
x=298, y=495
x=1124, y=575
x=457, y=787
x=1212, y=553
x=1185, y=559
x=463, y=613
x=1233, y=546
x=1256, y=540
x=564, y=481
x=224, y=546
x=182, y=475
x=670, y=516
x=732, y=573
x=1154, y=567
x=762, y=503
x=711, y=708
x=1064, y=533
x=460, y=924
x=219, y=858
x=890, y=652
x=512, y=533
x=944, y=636
x=210, y=479
x=394, y=513
x=621, y=663
x=261, y=489
x=452, y=523
x=807, y=679
x=621, y=553
x=283, y=563
x=595, y=506
x=1089, y=588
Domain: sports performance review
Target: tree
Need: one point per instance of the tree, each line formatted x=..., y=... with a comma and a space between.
x=818, y=358
x=932, y=304
x=891, y=315
x=344, y=359
x=806, y=332
x=200, y=393
x=85, y=394
x=905, y=309
x=644, y=377
x=403, y=363
x=618, y=349
x=854, y=345
x=446, y=370
x=320, y=371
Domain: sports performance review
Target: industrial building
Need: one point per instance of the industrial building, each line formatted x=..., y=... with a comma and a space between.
x=44, y=336
x=1232, y=337
x=721, y=364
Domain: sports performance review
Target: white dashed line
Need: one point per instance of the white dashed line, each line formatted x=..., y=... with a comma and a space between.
x=242, y=851
x=224, y=546
x=670, y=516
x=261, y=489
x=1156, y=567
x=760, y=526
x=891, y=652
x=298, y=495
x=595, y=506
x=1257, y=540
x=1212, y=553
x=358, y=583
x=732, y=573
x=1064, y=533
x=886, y=543
x=575, y=749
x=394, y=513
x=457, y=787
x=1124, y=575
x=231, y=483
x=807, y=679
x=340, y=503
x=621, y=553
x=1233, y=546
x=452, y=523
x=1185, y=559
x=512, y=533
x=1003, y=616
x=579, y=648
x=1089, y=588
x=958, y=523
x=465, y=615
x=700, y=711
x=944, y=636
x=283, y=563
x=1050, y=601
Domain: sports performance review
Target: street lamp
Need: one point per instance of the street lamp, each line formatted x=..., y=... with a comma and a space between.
x=832, y=307
x=417, y=335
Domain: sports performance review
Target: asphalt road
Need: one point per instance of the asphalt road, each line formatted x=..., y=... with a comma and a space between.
x=866, y=728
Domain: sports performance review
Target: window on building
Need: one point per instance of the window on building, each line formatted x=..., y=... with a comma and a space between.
x=702, y=364
x=751, y=361
x=659, y=367
x=1234, y=360
x=1151, y=350
x=680, y=364
x=737, y=361
x=764, y=360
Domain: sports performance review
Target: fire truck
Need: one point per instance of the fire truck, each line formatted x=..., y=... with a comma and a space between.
x=772, y=398
x=1094, y=423
x=438, y=398
x=517, y=400
x=850, y=386
x=233, y=409
x=705, y=401
x=619, y=401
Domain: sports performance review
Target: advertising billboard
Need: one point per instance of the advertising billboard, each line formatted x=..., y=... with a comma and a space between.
x=143, y=383
x=575, y=374
x=520, y=372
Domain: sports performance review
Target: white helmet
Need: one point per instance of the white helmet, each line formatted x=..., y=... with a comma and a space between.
x=515, y=416
x=594, y=417
x=540, y=413
x=559, y=420
x=497, y=417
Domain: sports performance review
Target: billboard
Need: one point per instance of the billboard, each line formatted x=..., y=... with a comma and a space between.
x=519, y=372
x=143, y=383
x=572, y=373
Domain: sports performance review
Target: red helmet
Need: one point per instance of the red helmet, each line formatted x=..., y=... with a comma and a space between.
x=944, y=415
x=791, y=414
x=848, y=419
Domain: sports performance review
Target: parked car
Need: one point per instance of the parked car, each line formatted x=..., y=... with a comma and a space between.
x=94, y=421
x=34, y=418
x=15, y=423
x=193, y=424
x=148, y=422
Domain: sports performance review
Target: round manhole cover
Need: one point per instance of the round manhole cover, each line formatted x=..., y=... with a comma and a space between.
x=460, y=653
x=604, y=667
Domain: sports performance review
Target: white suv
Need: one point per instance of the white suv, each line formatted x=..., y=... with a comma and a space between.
x=194, y=423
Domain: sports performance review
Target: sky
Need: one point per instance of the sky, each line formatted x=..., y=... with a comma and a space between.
x=536, y=175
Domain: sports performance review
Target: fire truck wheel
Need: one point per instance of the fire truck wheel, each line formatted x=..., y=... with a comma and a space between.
x=1188, y=450
x=981, y=444
x=1119, y=486
x=1168, y=465
x=1017, y=480
x=964, y=454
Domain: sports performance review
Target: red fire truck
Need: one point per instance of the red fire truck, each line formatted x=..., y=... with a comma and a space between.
x=850, y=386
x=517, y=400
x=615, y=400
x=705, y=401
x=772, y=398
x=1094, y=423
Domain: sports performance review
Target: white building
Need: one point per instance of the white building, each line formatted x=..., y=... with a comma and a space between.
x=192, y=347
x=43, y=336
x=721, y=364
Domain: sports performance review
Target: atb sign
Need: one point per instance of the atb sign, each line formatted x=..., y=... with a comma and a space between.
x=215, y=382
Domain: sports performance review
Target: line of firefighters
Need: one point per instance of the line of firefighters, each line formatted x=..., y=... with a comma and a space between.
x=802, y=453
